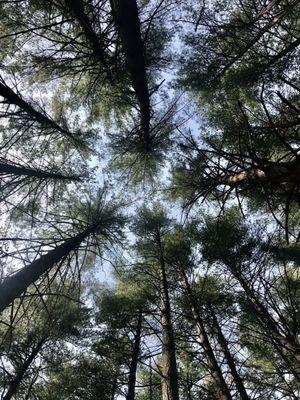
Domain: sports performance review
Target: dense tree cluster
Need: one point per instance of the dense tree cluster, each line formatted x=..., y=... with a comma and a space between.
x=149, y=200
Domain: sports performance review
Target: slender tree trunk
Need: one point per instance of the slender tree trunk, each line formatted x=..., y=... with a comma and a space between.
x=127, y=20
x=189, y=384
x=17, y=170
x=16, y=284
x=12, y=98
x=134, y=360
x=215, y=370
x=229, y=358
x=15, y=383
x=292, y=46
x=150, y=381
x=170, y=389
x=114, y=387
x=250, y=44
x=275, y=20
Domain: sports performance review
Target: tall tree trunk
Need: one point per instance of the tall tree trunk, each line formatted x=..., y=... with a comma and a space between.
x=250, y=44
x=12, y=98
x=134, y=360
x=215, y=370
x=16, y=284
x=169, y=366
x=150, y=381
x=15, y=383
x=18, y=170
x=77, y=9
x=114, y=386
x=286, y=341
x=189, y=384
x=127, y=20
x=229, y=358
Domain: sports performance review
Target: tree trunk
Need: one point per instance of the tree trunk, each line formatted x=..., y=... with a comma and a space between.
x=229, y=358
x=15, y=383
x=292, y=46
x=114, y=386
x=13, y=98
x=275, y=20
x=127, y=20
x=250, y=44
x=77, y=9
x=273, y=174
x=265, y=317
x=134, y=360
x=169, y=366
x=13, y=286
x=150, y=381
x=17, y=170
x=215, y=370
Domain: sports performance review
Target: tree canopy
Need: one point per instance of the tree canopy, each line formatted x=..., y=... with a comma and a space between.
x=149, y=200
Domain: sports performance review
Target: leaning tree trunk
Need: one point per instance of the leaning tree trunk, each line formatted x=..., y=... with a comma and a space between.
x=127, y=20
x=135, y=359
x=12, y=98
x=18, y=170
x=15, y=383
x=13, y=286
x=229, y=358
x=170, y=389
x=215, y=370
x=250, y=44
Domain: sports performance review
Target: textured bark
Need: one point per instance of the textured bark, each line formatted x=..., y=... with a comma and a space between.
x=215, y=370
x=12, y=98
x=169, y=366
x=229, y=358
x=77, y=9
x=273, y=174
x=15, y=383
x=134, y=360
x=16, y=284
x=16, y=170
x=127, y=20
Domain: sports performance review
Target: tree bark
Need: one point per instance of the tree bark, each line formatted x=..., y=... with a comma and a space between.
x=15, y=383
x=273, y=174
x=170, y=389
x=127, y=20
x=215, y=370
x=229, y=358
x=134, y=360
x=16, y=284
